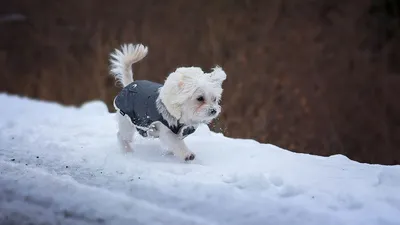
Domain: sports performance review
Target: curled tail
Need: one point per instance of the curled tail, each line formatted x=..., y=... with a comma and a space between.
x=122, y=60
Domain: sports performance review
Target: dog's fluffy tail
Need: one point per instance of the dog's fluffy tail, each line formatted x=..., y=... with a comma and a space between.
x=122, y=60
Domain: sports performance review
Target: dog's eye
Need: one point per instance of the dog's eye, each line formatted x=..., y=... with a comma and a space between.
x=200, y=99
x=214, y=99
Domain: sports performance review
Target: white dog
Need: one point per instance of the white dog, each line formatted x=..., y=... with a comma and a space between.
x=169, y=112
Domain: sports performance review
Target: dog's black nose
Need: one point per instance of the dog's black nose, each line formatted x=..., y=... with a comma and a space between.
x=213, y=112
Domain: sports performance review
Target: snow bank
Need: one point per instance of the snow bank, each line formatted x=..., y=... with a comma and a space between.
x=62, y=165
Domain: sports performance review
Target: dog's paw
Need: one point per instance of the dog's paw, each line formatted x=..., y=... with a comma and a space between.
x=128, y=148
x=190, y=157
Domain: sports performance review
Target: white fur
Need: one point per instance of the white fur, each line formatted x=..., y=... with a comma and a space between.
x=126, y=131
x=121, y=62
x=179, y=99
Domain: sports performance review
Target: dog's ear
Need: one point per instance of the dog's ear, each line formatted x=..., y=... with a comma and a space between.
x=217, y=75
x=188, y=80
x=177, y=88
x=169, y=93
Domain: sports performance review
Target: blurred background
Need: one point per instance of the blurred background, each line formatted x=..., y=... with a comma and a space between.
x=311, y=76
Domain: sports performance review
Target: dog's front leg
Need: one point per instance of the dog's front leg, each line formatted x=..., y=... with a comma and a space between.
x=176, y=145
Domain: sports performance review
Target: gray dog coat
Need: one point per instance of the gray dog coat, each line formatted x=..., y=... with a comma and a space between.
x=138, y=101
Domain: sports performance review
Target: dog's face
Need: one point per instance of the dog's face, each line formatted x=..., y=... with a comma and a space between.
x=192, y=96
x=203, y=105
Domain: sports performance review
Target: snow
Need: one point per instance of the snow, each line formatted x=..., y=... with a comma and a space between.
x=62, y=165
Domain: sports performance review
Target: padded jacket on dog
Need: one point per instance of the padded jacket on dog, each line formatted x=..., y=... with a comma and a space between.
x=138, y=101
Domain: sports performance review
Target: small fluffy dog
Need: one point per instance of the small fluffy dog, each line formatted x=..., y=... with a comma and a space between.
x=169, y=111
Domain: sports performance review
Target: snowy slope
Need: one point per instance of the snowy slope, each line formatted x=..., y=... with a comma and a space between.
x=62, y=165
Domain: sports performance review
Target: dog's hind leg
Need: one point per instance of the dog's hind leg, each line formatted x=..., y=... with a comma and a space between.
x=126, y=131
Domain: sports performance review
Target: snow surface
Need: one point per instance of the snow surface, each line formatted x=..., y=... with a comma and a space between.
x=62, y=165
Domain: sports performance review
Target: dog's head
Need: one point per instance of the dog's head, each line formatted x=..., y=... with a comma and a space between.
x=192, y=96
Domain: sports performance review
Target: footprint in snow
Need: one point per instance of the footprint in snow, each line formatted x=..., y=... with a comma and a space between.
x=261, y=182
x=254, y=182
x=289, y=191
x=389, y=178
x=394, y=202
x=346, y=201
x=275, y=180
